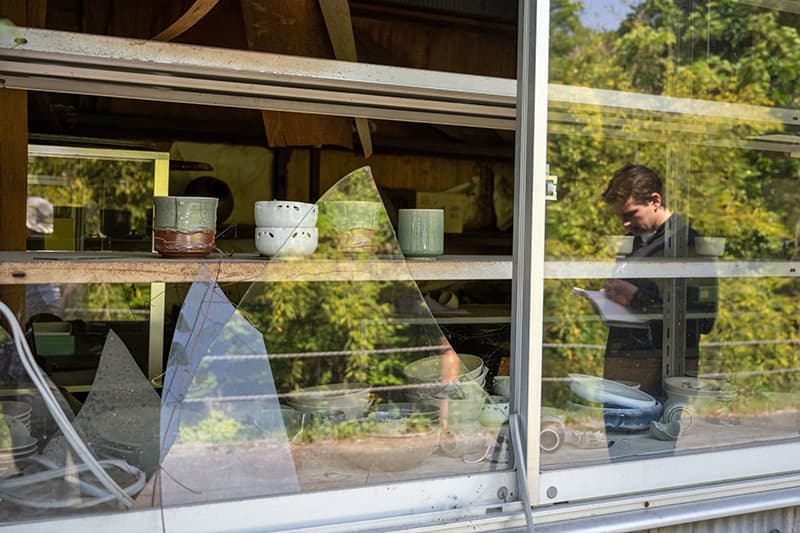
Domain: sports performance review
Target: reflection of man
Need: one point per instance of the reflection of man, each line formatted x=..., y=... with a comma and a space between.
x=636, y=195
x=44, y=298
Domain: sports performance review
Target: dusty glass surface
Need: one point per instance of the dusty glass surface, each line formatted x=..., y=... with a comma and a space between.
x=338, y=376
x=706, y=281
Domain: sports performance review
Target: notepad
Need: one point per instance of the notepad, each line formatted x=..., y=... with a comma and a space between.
x=612, y=313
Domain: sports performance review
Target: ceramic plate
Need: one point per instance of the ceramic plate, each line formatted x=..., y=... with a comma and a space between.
x=598, y=390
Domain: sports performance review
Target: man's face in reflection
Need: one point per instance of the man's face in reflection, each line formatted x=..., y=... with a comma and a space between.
x=640, y=218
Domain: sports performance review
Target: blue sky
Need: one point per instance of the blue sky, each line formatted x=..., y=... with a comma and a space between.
x=604, y=14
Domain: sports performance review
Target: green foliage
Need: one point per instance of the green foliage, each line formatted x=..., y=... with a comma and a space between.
x=723, y=51
x=216, y=428
x=325, y=429
x=94, y=185
x=313, y=317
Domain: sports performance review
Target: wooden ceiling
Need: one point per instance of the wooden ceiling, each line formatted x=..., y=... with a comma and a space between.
x=478, y=38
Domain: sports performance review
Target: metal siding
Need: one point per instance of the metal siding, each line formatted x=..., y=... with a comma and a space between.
x=776, y=521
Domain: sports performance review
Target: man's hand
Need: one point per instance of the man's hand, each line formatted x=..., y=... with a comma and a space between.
x=620, y=291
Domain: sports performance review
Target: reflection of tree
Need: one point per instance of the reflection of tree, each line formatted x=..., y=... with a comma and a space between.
x=717, y=51
x=309, y=317
x=95, y=184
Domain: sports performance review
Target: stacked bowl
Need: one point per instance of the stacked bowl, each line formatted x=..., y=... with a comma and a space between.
x=688, y=395
x=288, y=229
x=335, y=401
x=16, y=443
x=465, y=397
x=20, y=411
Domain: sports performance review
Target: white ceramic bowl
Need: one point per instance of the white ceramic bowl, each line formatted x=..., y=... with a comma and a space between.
x=713, y=246
x=279, y=213
x=619, y=244
x=288, y=241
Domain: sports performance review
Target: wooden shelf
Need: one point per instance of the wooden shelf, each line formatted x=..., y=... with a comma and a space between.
x=25, y=268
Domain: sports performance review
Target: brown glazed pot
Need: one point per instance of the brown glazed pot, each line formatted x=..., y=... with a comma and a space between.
x=176, y=244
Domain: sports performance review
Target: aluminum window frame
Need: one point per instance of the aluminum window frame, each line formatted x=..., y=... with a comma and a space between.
x=267, y=81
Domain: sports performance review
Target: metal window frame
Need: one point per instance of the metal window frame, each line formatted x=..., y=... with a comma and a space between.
x=160, y=162
x=201, y=75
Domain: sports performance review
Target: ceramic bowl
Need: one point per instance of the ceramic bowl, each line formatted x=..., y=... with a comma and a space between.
x=616, y=419
x=288, y=241
x=604, y=391
x=399, y=410
x=429, y=369
x=349, y=399
x=285, y=214
x=711, y=246
x=387, y=453
x=494, y=412
x=619, y=244
x=501, y=385
x=551, y=437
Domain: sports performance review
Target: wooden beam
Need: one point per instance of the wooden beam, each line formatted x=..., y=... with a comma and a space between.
x=294, y=27
x=197, y=11
x=340, y=30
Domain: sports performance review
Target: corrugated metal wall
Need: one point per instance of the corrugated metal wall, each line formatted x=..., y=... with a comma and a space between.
x=777, y=521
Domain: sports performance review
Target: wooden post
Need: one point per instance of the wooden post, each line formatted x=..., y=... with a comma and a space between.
x=14, y=154
x=14, y=184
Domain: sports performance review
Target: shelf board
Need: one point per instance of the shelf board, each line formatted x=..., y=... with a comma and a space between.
x=651, y=268
x=26, y=268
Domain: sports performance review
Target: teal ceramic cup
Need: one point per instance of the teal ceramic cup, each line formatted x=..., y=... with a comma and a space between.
x=185, y=213
x=421, y=232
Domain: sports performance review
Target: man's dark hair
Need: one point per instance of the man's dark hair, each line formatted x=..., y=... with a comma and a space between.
x=634, y=181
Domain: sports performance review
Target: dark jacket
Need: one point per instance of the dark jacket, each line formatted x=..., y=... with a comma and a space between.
x=646, y=343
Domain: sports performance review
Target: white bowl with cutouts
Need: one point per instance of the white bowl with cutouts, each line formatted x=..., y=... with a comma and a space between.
x=286, y=241
x=285, y=214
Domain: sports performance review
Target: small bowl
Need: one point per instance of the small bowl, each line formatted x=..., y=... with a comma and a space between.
x=711, y=246
x=494, y=412
x=271, y=241
x=278, y=213
x=619, y=244
x=501, y=385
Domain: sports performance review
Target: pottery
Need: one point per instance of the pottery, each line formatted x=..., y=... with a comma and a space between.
x=494, y=412
x=286, y=241
x=682, y=412
x=551, y=437
x=710, y=246
x=354, y=225
x=619, y=244
x=184, y=226
x=429, y=369
x=352, y=214
x=420, y=232
x=501, y=385
x=604, y=391
x=283, y=213
x=665, y=430
x=387, y=453
x=616, y=419
x=350, y=400
x=700, y=393
x=174, y=244
x=185, y=213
